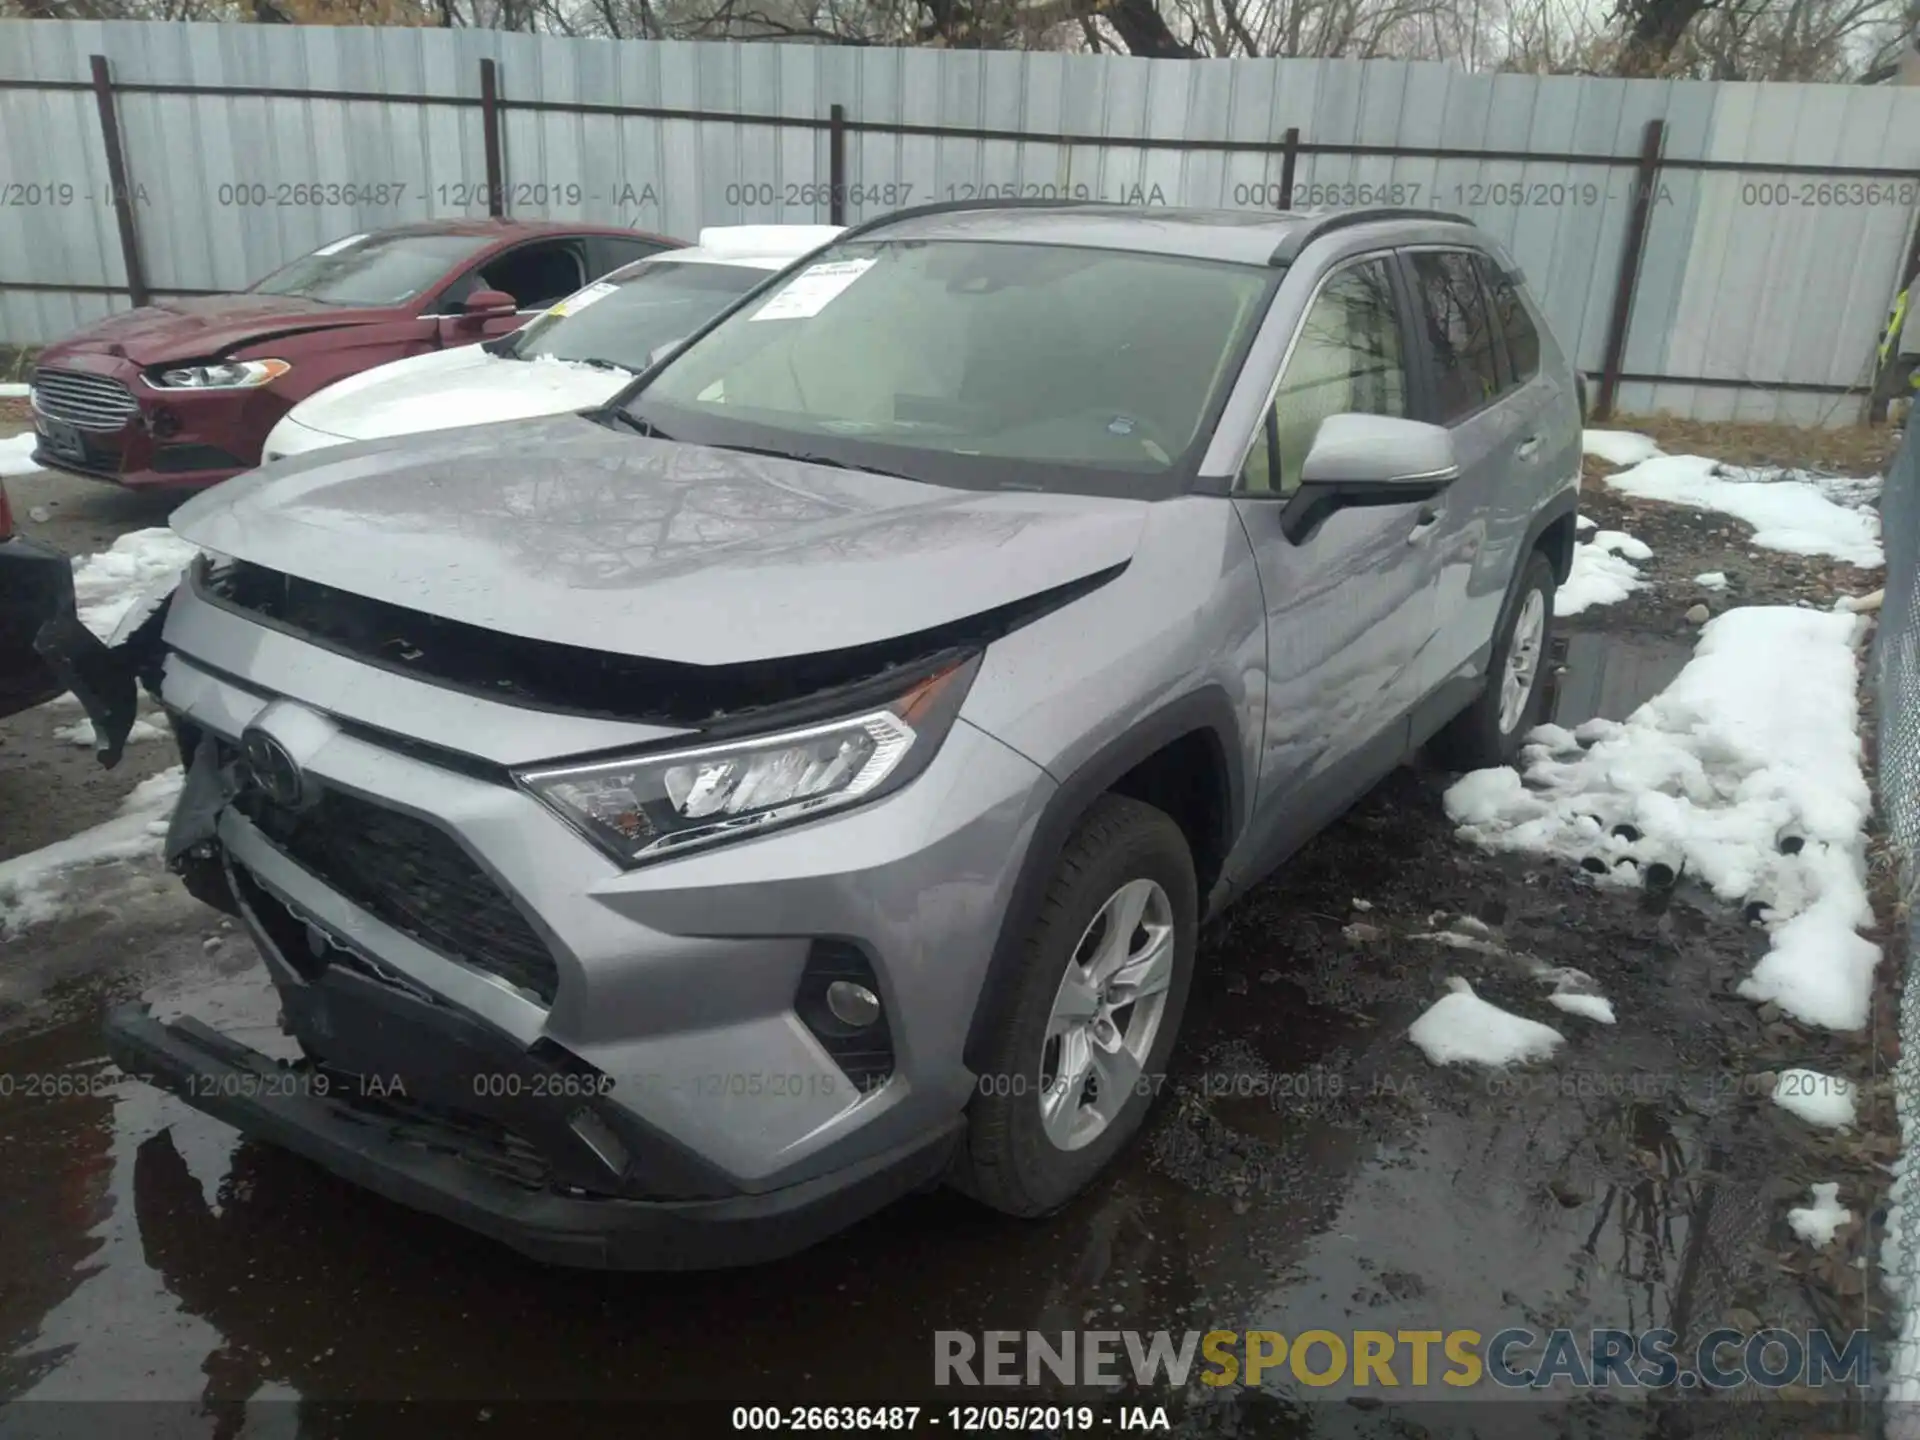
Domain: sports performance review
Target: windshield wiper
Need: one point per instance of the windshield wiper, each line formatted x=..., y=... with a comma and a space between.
x=597, y=363
x=627, y=420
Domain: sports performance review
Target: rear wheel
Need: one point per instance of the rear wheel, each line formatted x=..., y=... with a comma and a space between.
x=1070, y=1071
x=1489, y=731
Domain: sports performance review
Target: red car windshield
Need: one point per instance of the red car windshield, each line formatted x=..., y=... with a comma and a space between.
x=371, y=270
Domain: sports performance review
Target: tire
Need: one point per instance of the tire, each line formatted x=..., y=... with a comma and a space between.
x=1475, y=738
x=1011, y=1161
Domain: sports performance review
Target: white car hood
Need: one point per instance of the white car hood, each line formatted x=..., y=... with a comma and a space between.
x=466, y=386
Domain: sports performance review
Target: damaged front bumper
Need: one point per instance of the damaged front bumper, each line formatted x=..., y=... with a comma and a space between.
x=45, y=650
x=362, y=1131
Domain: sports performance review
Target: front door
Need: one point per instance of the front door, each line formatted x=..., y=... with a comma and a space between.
x=1350, y=607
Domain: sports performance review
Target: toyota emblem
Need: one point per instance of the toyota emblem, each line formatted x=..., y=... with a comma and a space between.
x=273, y=768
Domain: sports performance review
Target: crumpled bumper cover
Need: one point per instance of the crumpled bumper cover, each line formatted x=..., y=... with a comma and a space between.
x=273, y=1102
x=44, y=649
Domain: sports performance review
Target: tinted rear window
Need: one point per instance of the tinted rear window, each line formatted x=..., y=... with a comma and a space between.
x=1457, y=331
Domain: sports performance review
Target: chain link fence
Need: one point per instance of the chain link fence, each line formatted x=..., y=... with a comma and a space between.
x=1896, y=675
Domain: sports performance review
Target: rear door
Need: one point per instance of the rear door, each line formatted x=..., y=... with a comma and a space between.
x=1463, y=385
x=1349, y=608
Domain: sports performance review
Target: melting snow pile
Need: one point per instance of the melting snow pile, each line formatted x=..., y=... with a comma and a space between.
x=16, y=455
x=1744, y=773
x=110, y=583
x=1618, y=447
x=1817, y=1223
x=1461, y=1028
x=33, y=886
x=1799, y=515
x=1603, y=572
x=1817, y=1099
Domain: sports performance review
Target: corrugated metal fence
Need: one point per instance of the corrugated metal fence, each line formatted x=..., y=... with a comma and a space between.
x=1733, y=260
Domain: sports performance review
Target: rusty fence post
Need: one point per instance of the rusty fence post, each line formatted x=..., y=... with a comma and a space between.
x=1289, y=157
x=490, y=123
x=1633, y=246
x=837, y=165
x=117, y=178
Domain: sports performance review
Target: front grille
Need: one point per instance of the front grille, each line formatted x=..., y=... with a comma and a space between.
x=92, y=402
x=416, y=878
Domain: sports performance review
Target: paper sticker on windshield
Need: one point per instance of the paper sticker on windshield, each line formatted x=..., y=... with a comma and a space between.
x=809, y=291
x=342, y=244
x=580, y=299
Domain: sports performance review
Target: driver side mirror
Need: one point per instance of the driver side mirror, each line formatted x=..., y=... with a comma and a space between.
x=1361, y=460
x=487, y=305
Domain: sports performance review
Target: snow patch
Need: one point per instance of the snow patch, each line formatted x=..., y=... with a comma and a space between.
x=1787, y=512
x=1460, y=1027
x=33, y=887
x=1817, y=1223
x=1817, y=1099
x=1596, y=1008
x=1618, y=447
x=1711, y=580
x=1744, y=773
x=80, y=732
x=1603, y=572
x=113, y=581
x=16, y=455
x=13, y=390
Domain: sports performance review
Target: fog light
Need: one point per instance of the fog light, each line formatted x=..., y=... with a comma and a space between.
x=853, y=1004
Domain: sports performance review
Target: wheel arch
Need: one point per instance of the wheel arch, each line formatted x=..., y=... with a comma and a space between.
x=1184, y=759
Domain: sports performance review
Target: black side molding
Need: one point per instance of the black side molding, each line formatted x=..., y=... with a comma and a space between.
x=1208, y=710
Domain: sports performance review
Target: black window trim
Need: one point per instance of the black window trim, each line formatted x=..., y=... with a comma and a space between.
x=1266, y=427
x=1501, y=373
x=574, y=242
x=1510, y=382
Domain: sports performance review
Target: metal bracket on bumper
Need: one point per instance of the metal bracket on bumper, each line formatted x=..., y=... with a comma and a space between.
x=234, y=1083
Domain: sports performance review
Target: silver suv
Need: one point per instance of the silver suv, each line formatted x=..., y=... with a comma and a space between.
x=677, y=829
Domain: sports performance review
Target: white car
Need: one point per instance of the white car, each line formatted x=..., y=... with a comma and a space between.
x=575, y=355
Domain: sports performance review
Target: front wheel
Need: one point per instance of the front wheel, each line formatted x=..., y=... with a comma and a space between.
x=1071, y=1069
x=1489, y=731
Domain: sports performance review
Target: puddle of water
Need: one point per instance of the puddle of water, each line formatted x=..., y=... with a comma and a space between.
x=1607, y=676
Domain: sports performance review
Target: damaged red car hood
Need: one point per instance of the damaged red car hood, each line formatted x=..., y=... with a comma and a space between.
x=206, y=327
x=565, y=531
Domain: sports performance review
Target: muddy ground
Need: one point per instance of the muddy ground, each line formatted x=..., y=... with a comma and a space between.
x=1309, y=1169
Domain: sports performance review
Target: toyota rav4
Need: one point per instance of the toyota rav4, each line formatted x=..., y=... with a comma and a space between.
x=676, y=829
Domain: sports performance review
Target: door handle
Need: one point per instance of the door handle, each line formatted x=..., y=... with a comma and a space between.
x=1529, y=448
x=1428, y=522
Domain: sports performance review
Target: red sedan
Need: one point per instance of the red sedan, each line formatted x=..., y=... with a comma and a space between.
x=181, y=394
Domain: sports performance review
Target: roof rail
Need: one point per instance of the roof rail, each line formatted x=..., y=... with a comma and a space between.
x=943, y=207
x=1289, y=249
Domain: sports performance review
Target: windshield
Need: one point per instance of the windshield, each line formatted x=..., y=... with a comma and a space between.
x=973, y=363
x=622, y=319
x=371, y=269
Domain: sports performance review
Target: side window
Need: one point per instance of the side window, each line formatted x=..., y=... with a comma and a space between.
x=1459, y=334
x=535, y=275
x=1348, y=358
x=1510, y=318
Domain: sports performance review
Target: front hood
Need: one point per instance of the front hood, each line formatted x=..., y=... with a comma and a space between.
x=565, y=531
x=450, y=388
x=205, y=327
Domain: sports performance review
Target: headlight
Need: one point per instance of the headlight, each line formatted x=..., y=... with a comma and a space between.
x=227, y=375
x=647, y=807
